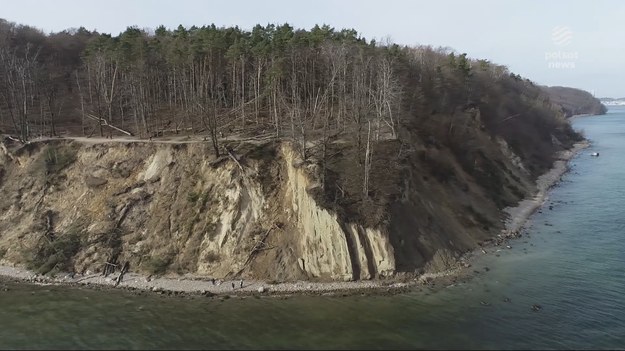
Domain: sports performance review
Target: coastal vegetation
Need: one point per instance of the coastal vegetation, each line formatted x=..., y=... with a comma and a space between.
x=318, y=153
x=575, y=101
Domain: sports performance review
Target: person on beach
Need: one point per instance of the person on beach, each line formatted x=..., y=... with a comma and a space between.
x=232, y=285
x=241, y=284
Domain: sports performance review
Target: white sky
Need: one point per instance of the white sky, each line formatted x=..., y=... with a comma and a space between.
x=516, y=33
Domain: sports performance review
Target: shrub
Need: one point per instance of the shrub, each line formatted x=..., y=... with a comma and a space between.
x=212, y=257
x=157, y=265
x=58, y=158
x=54, y=254
x=193, y=197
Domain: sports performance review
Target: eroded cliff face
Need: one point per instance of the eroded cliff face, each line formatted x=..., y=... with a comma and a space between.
x=328, y=244
x=170, y=209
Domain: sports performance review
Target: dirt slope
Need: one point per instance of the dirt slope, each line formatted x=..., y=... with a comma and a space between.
x=172, y=208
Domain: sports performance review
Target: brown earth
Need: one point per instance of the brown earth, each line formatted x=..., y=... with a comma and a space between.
x=169, y=207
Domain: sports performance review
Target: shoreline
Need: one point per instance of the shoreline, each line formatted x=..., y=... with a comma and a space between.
x=581, y=115
x=520, y=214
x=189, y=285
x=204, y=286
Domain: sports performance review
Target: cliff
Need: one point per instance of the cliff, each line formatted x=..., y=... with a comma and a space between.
x=575, y=101
x=276, y=153
x=70, y=205
x=173, y=208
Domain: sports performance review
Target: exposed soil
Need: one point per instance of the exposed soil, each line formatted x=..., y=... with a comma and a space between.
x=191, y=284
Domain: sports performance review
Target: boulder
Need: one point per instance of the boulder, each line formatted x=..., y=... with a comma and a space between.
x=94, y=182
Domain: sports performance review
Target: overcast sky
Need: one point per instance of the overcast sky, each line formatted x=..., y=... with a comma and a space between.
x=556, y=42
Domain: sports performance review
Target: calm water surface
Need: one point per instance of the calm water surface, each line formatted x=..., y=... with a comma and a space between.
x=572, y=263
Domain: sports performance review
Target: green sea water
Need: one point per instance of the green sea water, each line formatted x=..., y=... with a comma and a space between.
x=571, y=262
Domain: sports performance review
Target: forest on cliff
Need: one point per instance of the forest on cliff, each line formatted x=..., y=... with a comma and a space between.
x=209, y=79
x=306, y=85
x=423, y=143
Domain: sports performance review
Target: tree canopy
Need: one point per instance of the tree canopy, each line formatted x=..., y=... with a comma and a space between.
x=307, y=85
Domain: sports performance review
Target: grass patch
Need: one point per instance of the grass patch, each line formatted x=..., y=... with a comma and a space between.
x=58, y=158
x=211, y=229
x=192, y=197
x=157, y=265
x=54, y=254
x=212, y=257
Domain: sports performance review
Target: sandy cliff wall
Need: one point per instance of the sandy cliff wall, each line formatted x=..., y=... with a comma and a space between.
x=169, y=208
x=175, y=209
x=328, y=244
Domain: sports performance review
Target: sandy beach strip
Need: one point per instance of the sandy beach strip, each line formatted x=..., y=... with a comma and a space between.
x=186, y=285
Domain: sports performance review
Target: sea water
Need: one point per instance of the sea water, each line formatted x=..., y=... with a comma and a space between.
x=570, y=262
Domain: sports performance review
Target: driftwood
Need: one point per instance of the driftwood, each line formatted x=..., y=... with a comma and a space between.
x=12, y=138
x=259, y=246
x=109, y=268
x=340, y=189
x=509, y=117
x=174, y=130
x=86, y=277
x=123, y=191
x=122, y=215
x=107, y=124
x=111, y=264
x=163, y=131
x=5, y=151
x=218, y=161
x=121, y=274
x=49, y=225
x=234, y=158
